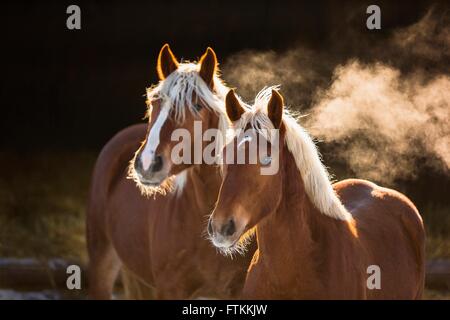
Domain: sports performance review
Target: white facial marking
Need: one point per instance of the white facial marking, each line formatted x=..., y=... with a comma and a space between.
x=244, y=140
x=148, y=154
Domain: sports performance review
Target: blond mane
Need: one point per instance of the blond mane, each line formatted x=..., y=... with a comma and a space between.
x=315, y=176
x=177, y=93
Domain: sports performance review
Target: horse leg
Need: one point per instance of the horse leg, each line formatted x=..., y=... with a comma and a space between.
x=104, y=263
x=104, y=267
x=103, y=271
x=135, y=288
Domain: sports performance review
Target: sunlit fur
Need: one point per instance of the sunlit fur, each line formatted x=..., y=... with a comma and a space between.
x=240, y=248
x=180, y=182
x=149, y=191
x=180, y=88
x=315, y=176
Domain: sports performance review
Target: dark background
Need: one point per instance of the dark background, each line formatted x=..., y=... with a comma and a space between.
x=72, y=89
x=65, y=93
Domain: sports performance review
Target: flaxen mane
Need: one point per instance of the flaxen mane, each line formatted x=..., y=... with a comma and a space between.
x=177, y=93
x=179, y=87
x=315, y=176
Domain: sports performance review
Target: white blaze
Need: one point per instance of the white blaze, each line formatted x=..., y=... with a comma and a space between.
x=148, y=154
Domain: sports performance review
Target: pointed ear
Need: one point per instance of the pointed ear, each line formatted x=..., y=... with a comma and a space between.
x=208, y=66
x=275, y=109
x=167, y=63
x=234, y=108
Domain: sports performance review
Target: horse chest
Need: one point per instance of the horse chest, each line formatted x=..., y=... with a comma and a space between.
x=178, y=238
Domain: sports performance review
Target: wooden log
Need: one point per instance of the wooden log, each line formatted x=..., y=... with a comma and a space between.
x=33, y=273
x=438, y=274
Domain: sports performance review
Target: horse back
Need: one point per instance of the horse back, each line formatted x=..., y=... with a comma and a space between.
x=388, y=225
x=111, y=163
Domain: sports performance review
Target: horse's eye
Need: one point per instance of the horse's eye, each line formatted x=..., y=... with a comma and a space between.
x=198, y=106
x=266, y=161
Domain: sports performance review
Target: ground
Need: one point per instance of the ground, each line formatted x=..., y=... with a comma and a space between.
x=42, y=208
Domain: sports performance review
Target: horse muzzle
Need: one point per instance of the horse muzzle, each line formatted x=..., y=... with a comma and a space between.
x=223, y=236
x=154, y=174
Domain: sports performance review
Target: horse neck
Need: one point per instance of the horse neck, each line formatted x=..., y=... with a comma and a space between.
x=204, y=183
x=286, y=237
x=204, y=180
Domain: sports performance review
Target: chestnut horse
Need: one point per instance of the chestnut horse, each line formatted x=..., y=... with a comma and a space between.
x=315, y=240
x=160, y=238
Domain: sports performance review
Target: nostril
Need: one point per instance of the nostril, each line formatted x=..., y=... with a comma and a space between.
x=157, y=164
x=229, y=229
x=210, y=229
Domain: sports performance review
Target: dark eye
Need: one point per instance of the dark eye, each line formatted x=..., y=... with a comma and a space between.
x=198, y=107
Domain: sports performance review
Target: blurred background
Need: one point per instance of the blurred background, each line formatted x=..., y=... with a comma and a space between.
x=377, y=101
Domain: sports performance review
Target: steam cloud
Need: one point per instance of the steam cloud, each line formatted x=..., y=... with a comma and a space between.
x=385, y=123
x=384, y=112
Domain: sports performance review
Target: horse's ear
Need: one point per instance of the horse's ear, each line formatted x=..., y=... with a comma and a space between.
x=167, y=63
x=275, y=109
x=234, y=108
x=208, y=66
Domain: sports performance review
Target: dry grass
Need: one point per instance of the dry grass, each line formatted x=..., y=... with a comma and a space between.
x=436, y=295
x=43, y=197
x=437, y=223
x=42, y=200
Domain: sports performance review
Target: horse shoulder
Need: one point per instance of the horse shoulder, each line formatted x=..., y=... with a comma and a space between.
x=257, y=283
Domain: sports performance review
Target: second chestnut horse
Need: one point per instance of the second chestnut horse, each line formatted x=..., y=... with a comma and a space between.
x=315, y=240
